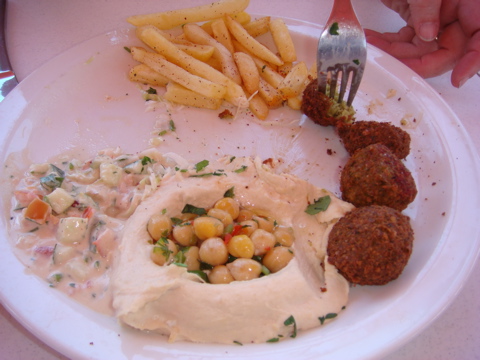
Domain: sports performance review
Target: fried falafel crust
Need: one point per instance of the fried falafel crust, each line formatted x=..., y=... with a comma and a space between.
x=360, y=134
x=316, y=106
x=375, y=176
x=371, y=245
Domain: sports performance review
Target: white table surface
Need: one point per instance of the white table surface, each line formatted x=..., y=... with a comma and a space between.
x=38, y=30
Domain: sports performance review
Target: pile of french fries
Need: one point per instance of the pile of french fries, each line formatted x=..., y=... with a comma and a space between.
x=209, y=54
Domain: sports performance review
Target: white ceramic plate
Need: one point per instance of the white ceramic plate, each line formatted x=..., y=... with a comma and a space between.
x=82, y=102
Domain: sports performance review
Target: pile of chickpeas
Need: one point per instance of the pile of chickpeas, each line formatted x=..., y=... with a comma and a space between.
x=227, y=244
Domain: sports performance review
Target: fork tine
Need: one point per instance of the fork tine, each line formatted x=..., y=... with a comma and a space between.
x=333, y=83
x=343, y=83
x=341, y=49
x=356, y=79
x=322, y=82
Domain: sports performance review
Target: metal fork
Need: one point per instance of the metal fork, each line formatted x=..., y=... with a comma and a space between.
x=342, y=50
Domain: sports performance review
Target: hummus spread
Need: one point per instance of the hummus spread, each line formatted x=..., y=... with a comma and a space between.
x=170, y=300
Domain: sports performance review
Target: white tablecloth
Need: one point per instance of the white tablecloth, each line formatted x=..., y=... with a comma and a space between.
x=38, y=30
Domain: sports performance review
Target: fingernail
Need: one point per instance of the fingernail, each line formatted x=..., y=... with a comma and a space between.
x=428, y=31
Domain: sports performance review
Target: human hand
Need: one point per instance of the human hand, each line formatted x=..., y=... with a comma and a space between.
x=440, y=35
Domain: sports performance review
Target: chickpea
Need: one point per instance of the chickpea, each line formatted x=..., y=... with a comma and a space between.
x=159, y=225
x=241, y=246
x=244, y=214
x=248, y=227
x=263, y=241
x=213, y=251
x=221, y=215
x=184, y=234
x=277, y=258
x=284, y=236
x=206, y=227
x=245, y=269
x=186, y=217
x=220, y=275
x=192, y=258
x=229, y=205
x=163, y=251
x=264, y=223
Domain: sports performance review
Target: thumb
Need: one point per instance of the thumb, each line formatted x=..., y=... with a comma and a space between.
x=425, y=18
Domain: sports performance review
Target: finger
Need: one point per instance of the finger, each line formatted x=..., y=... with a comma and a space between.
x=405, y=34
x=452, y=43
x=469, y=64
x=425, y=18
x=400, y=7
x=402, y=46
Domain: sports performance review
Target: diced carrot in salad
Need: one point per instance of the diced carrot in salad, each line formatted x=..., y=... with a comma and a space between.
x=38, y=211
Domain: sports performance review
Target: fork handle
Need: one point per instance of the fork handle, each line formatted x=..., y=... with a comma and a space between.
x=343, y=10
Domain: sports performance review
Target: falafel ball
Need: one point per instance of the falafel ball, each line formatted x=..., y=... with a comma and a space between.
x=371, y=245
x=375, y=176
x=363, y=133
x=323, y=110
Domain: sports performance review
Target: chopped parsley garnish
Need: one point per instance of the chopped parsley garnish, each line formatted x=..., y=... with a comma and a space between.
x=334, y=29
x=180, y=259
x=176, y=221
x=152, y=91
x=126, y=48
x=319, y=205
x=172, y=126
x=57, y=277
x=291, y=321
x=241, y=169
x=200, y=274
x=201, y=165
x=327, y=317
x=215, y=173
x=162, y=247
x=356, y=62
x=230, y=193
x=146, y=160
x=190, y=209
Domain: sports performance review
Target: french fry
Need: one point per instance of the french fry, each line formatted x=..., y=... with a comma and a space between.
x=222, y=35
x=200, y=52
x=268, y=73
x=283, y=40
x=285, y=68
x=183, y=96
x=272, y=97
x=248, y=71
x=258, y=26
x=242, y=17
x=143, y=74
x=173, y=18
x=153, y=38
x=295, y=103
x=178, y=74
x=258, y=107
x=244, y=38
x=292, y=84
x=196, y=34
